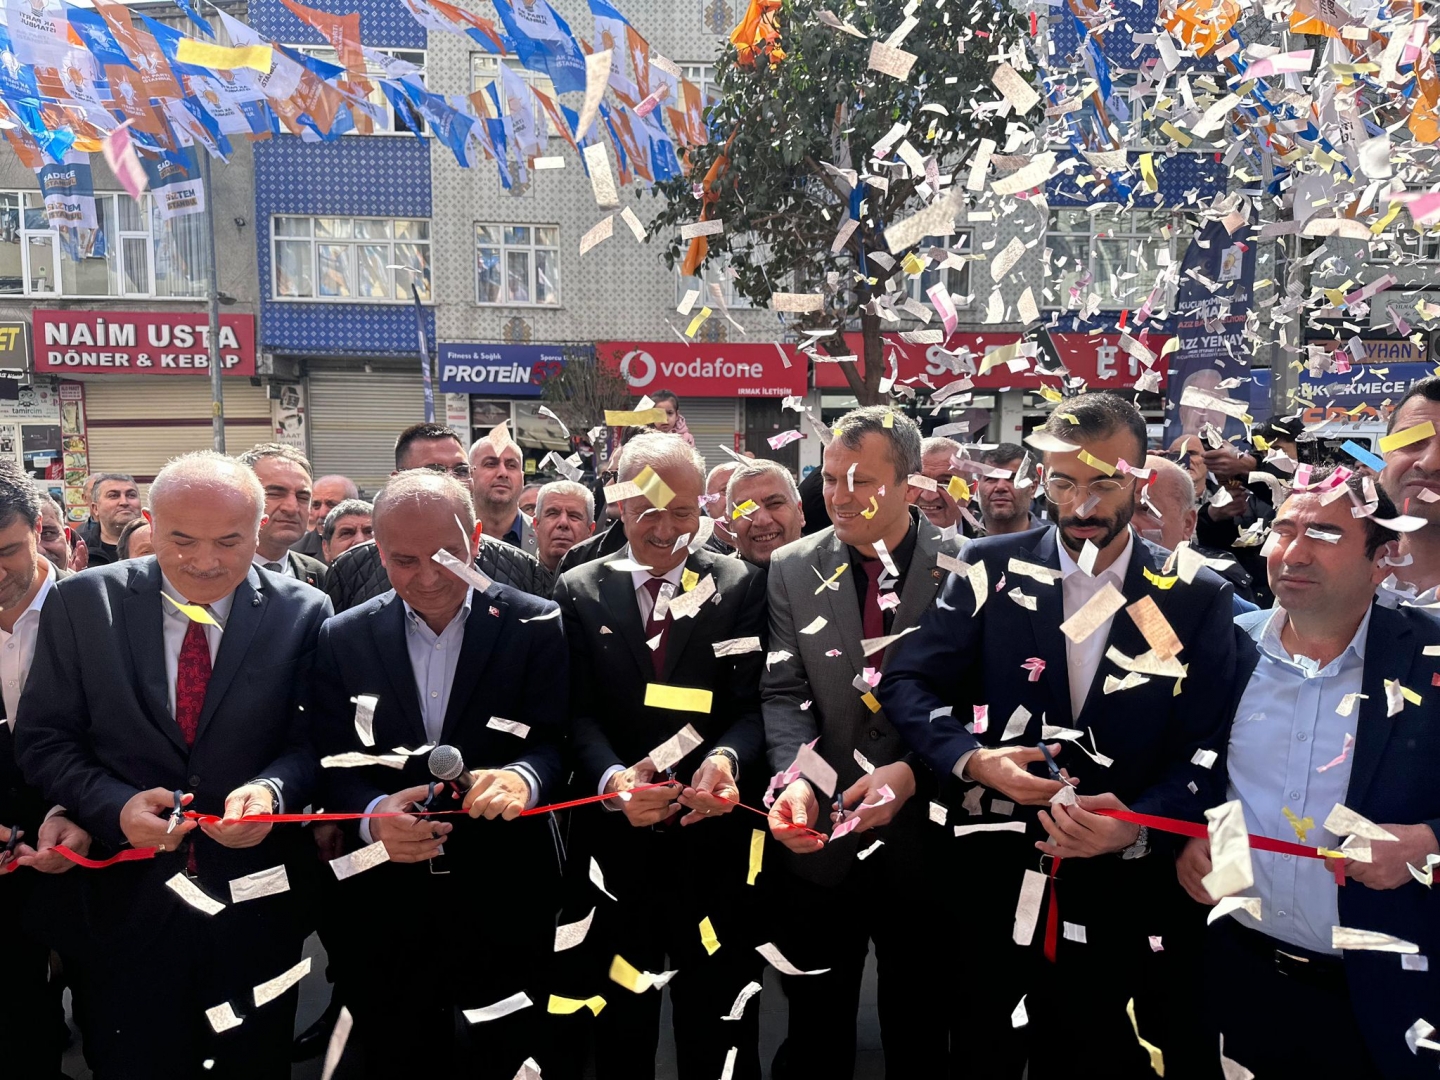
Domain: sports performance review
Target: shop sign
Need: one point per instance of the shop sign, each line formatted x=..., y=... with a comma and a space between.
x=139, y=343
x=707, y=370
x=499, y=370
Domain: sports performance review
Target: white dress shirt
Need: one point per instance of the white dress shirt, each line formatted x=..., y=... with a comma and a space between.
x=174, y=624
x=287, y=568
x=17, y=647
x=1082, y=660
x=646, y=603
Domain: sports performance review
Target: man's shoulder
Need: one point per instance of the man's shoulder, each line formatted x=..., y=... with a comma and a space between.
x=728, y=569
x=526, y=605
x=106, y=578
x=358, y=618
x=802, y=552
x=290, y=591
x=1005, y=545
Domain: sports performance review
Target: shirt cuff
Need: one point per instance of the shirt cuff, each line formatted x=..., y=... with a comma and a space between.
x=959, y=769
x=365, y=824
x=604, y=782
x=528, y=775
x=55, y=811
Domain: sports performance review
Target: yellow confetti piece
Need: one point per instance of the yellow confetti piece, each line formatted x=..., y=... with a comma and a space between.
x=832, y=579
x=1095, y=463
x=194, y=612
x=563, y=1006
x=1329, y=853
x=653, y=488
x=747, y=507
x=707, y=936
x=757, y=855
x=1302, y=826
x=1147, y=173
x=1175, y=133
x=871, y=701
x=1409, y=695
x=697, y=322
x=1071, y=418
x=688, y=579
x=203, y=54
x=1158, y=581
x=1405, y=436
x=889, y=420
x=1379, y=227
x=1157, y=1059
x=626, y=418
x=1049, y=393
x=627, y=975
x=873, y=510
x=1260, y=443
x=959, y=490
x=679, y=698
x=913, y=264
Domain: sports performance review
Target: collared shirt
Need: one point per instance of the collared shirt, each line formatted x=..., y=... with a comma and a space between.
x=285, y=567
x=175, y=623
x=638, y=578
x=515, y=534
x=17, y=647
x=1285, y=730
x=434, y=658
x=1077, y=587
x=902, y=555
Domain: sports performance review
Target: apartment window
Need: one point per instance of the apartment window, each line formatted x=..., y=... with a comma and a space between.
x=517, y=265
x=132, y=253
x=1418, y=246
x=386, y=121
x=1122, y=254
x=360, y=260
x=703, y=76
x=485, y=70
x=716, y=271
x=936, y=249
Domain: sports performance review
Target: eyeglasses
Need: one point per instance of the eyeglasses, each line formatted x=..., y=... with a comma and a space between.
x=460, y=472
x=1062, y=490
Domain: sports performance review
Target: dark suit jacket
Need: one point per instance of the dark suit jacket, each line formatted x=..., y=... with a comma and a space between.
x=311, y=571
x=95, y=728
x=962, y=659
x=309, y=544
x=824, y=684
x=1392, y=782
x=20, y=804
x=609, y=670
x=509, y=669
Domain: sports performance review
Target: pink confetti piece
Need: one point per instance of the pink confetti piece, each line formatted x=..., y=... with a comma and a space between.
x=1035, y=666
x=1344, y=753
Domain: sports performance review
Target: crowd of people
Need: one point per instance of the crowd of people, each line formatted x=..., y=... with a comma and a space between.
x=1113, y=781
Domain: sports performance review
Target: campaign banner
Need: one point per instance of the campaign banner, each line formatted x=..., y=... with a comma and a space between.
x=501, y=370
x=1365, y=393
x=139, y=343
x=707, y=370
x=175, y=183
x=69, y=192
x=1217, y=278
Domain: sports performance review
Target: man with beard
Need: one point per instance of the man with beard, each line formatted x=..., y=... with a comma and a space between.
x=497, y=470
x=60, y=543
x=936, y=461
x=1411, y=478
x=1004, y=506
x=115, y=502
x=1036, y=664
x=284, y=473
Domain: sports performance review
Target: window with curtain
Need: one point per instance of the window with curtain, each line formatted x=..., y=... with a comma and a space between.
x=356, y=260
x=517, y=265
x=1122, y=253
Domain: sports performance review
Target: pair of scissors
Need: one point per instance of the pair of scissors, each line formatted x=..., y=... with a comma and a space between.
x=177, y=814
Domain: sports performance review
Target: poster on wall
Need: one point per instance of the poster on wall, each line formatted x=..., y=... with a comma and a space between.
x=287, y=413
x=71, y=401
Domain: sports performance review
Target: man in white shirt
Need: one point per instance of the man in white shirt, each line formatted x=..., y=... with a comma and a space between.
x=32, y=1012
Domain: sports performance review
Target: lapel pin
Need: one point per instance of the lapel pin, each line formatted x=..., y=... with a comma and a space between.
x=494, y=611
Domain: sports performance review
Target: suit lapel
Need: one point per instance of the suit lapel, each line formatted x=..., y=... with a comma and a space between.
x=145, y=637
x=922, y=580
x=1045, y=623
x=1124, y=634
x=844, y=608
x=680, y=630
x=247, y=611
x=617, y=597
x=1389, y=649
x=391, y=644
x=482, y=630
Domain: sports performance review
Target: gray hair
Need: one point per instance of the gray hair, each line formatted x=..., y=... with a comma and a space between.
x=656, y=448
x=902, y=433
x=1166, y=471
x=425, y=485
x=566, y=487
x=937, y=444
x=757, y=468
x=347, y=508
x=351, y=491
x=206, y=468
x=275, y=450
x=724, y=466
x=49, y=502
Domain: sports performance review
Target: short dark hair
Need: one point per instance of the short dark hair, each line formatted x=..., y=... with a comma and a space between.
x=1428, y=388
x=999, y=455
x=18, y=497
x=423, y=432
x=1097, y=415
x=108, y=477
x=263, y=450
x=122, y=545
x=666, y=395
x=1375, y=534
x=902, y=433
x=347, y=508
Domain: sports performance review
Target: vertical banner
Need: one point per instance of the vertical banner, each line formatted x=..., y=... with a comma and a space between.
x=69, y=192
x=1217, y=280
x=77, y=449
x=175, y=183
x=424, y=356
x=288, y=414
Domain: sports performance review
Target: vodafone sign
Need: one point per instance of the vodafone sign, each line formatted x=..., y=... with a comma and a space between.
x=706, y=370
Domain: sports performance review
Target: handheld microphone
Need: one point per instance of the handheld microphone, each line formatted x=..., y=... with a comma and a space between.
x=446, y=764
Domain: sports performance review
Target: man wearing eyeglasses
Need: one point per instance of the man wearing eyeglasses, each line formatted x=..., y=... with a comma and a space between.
x=1040, y=641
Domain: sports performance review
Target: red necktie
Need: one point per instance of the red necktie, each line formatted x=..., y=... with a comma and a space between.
x=192, y=676
x=657, y=626
x=872, y=619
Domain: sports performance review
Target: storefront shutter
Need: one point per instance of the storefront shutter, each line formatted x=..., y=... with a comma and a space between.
x=355, y=417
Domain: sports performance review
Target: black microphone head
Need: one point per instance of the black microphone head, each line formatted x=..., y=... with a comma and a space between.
x=445, y=763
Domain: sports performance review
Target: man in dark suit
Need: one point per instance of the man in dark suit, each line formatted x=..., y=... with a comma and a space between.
x=483, y=671
x=1133, y=747
x=1290, y=763
x=186, y=672
x=284, y=473
x=644, y=629
x=27, y=1000
x=884, y=567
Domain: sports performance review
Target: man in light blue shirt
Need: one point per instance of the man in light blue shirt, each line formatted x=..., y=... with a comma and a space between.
x=1318, y=724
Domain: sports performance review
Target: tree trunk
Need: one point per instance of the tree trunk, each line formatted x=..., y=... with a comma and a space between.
x=874, y=360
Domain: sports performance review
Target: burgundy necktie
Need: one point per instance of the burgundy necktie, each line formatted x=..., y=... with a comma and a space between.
x=659, y=626
x=872, y=619
x=192, y=676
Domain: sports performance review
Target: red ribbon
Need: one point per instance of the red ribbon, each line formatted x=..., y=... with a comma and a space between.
x=130, y=855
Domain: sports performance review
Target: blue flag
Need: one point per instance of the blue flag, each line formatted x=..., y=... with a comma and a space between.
x=194, y=17
x=92, y=30
x=544, y=43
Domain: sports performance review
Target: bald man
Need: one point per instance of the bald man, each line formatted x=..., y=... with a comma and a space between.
x=326, y=494
x=497, y=477
x=191, y=680
x=1166, y=512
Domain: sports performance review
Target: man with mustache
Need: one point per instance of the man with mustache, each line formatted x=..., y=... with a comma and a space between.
x=772, y=514
x=564, y=515
x=1034, y=643
x=1005, y=500
x=936, y=456
x=284, y=473
x=1411, y=478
